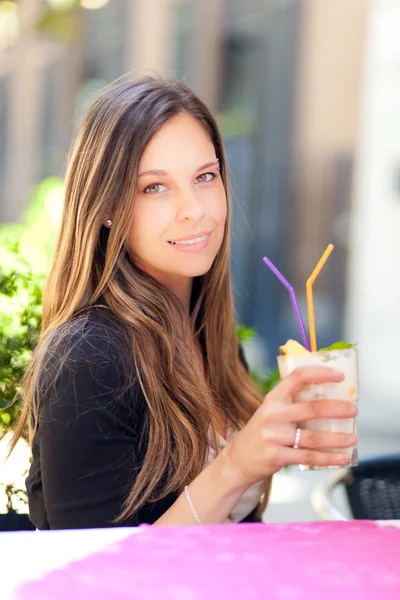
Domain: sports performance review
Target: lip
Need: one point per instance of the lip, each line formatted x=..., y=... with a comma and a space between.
x=192, y=248
x=191, y=237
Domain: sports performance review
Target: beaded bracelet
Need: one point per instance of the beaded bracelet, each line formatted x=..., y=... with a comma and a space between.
x=192, y=508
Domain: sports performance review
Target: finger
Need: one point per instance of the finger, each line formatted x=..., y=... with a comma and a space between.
x=299, y=378
x=317, y=409
x=322, y=439
x=312, y=458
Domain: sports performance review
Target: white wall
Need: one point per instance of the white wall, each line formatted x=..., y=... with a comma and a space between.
x=373, y=311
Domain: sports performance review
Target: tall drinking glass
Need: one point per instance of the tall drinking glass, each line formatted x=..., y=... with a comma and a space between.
x=345, y=361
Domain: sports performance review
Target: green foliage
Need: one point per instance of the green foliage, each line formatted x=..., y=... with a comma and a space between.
x=13, y=494
x=265, y=382
x=244, y=333
x=25, y=250
x=37, y=231
x=20, y=314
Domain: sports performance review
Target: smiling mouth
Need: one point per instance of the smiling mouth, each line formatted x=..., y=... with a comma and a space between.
x=195, y=240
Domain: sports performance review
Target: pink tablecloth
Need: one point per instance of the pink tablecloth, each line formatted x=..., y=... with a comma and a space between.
x=310, y=561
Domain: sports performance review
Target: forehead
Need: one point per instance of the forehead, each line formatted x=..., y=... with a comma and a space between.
x=181, y=142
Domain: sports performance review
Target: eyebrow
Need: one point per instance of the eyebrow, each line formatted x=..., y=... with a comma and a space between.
x=162, y=172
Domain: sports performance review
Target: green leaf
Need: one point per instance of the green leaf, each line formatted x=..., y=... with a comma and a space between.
x=338, y=346
x=5, y=418
x=244, y=333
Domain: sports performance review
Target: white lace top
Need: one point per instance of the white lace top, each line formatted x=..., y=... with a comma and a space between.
x=251, y=497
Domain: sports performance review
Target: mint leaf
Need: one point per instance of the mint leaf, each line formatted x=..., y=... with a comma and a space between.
x=338, y=346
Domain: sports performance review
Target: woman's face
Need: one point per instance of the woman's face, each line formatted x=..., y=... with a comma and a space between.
x=180, y=204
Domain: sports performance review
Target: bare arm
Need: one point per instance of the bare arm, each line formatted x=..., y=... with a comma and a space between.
x=263, y=446
x=214, y=493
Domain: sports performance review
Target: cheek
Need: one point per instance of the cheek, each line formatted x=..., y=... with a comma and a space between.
x=148, y=221
x=218, y=216
x=219, y=210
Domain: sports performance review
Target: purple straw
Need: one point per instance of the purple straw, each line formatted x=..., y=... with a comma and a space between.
x=293, y=298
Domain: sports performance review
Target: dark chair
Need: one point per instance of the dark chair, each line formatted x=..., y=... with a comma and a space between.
x=372, y=490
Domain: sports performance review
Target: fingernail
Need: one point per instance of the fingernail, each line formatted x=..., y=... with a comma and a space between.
x=344, y=458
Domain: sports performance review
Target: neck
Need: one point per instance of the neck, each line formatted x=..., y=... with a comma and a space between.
x=183, y=291
x=179, y=285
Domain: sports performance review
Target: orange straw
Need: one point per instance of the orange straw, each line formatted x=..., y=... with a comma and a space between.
x=309, y=292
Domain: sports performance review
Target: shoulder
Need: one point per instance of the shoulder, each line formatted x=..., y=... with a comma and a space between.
x=94, y=342
x=95, y=332
x=88, y=366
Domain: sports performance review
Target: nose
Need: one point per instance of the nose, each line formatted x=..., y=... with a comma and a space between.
x=190, y=206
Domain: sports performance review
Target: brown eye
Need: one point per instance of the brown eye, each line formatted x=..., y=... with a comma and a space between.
x=154, y=188
x=205, y=177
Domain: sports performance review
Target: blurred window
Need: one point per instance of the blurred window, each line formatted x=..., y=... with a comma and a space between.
x=256, y=107
x=182, y=27
x=104, y=39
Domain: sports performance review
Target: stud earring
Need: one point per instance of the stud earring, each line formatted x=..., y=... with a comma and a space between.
x=108, y=222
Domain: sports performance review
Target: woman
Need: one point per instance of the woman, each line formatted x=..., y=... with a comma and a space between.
x=139, y=403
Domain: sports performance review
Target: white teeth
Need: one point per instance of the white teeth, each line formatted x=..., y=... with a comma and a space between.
x=194, y=241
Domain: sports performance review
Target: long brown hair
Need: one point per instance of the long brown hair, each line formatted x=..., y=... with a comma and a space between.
x=91, y=262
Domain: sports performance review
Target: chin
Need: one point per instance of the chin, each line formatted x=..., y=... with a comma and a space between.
x=195, y=272
x=194, y=268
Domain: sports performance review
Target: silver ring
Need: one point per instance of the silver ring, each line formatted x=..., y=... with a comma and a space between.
x=297, y=438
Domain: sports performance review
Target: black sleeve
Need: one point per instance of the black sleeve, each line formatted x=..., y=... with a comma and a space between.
x=90, y=424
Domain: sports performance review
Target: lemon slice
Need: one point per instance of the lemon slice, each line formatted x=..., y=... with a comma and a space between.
x=292, y=348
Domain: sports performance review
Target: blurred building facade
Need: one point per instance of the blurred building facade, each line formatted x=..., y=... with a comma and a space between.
x=373, y=285
x=286, y=80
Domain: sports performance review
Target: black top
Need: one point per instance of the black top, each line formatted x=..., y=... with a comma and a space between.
x=88, y=446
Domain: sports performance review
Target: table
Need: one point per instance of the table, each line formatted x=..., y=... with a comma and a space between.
x=292, y=561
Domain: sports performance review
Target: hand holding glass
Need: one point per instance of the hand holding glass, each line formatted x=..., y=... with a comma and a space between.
x=345, y=361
